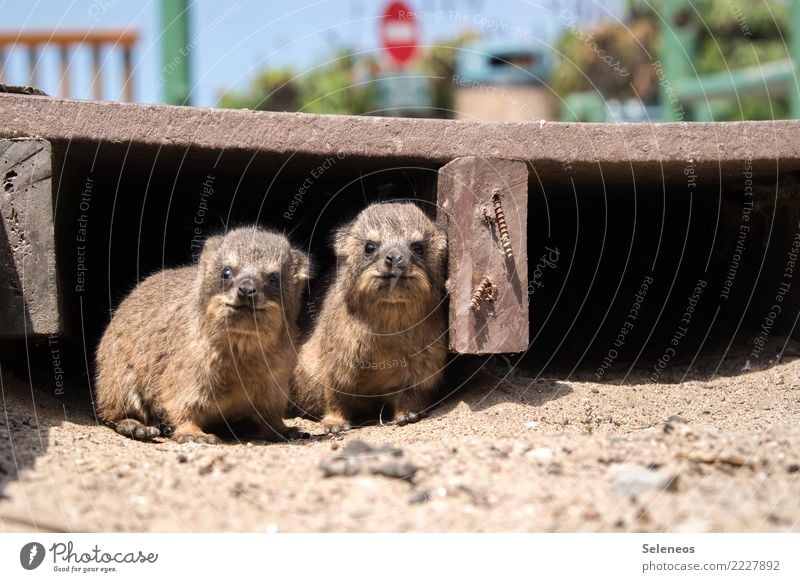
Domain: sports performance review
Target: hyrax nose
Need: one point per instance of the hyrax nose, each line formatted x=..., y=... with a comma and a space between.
x=395, y=259
x=246, y=289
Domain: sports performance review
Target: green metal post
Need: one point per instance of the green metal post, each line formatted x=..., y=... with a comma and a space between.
x=678, y=34
x=175, y=51
x=794, y=47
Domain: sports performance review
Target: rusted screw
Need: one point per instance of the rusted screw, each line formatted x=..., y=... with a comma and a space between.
x=484, y=291
x=502, y=226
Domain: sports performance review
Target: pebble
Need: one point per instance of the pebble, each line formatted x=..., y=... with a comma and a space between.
x=419, y=497
x=541, y=454
x=360, y=457
x=631, y=480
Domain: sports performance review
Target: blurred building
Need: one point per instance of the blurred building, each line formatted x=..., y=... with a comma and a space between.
x=503, y=82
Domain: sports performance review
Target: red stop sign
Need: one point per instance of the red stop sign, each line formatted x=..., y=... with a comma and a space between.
x=399, y=34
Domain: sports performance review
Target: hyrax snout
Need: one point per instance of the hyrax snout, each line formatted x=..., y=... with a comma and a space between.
x=206, y=344
x=379, y=344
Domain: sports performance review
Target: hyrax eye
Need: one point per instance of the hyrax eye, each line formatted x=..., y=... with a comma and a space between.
x=370, y=248
x=273, y=279
x=226, y=272
x=418, y=248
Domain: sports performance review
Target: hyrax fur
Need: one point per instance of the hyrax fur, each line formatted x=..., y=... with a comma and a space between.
x=380, y=338
x=201, y=345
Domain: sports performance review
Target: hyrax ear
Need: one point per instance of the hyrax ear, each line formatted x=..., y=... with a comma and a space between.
x=340, y=240
x=439, y=239
x=301, y=266
x=210, y=249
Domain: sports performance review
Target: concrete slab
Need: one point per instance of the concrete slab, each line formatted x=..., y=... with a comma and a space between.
x=28, y=293
x=657, y=147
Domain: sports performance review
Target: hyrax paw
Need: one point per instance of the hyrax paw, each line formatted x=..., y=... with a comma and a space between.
x=295, y=434
x=335, y=423
x=136, y=430
x=201, y=438
x=403, y=418
x=336, y=428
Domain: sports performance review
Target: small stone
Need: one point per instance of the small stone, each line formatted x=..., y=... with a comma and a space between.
x=182, y=458
x=531, y=424
x=541, y=454
x=358, y=456
x=793, y=468
x=419, y=497
x=397, y=469
x=595, y=391
x=676, y=419
x=631, y=480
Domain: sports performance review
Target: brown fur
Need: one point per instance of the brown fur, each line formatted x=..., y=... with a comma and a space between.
x=380, y=339
x=187, y=350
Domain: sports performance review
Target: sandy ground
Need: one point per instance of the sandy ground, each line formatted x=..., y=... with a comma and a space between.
x=561, y=453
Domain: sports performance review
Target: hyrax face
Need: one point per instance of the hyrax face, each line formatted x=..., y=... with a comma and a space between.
x=251, y=280
x=392, y=254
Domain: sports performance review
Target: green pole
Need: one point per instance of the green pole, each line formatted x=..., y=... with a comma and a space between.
x=794, y=47
x=678, y=34
x=175, y=51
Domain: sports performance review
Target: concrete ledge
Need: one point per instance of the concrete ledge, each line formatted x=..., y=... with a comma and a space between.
x=548, y=144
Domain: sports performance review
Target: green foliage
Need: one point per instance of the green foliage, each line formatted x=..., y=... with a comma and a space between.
x=731, y=34
x=270, y=91
x=609, y=58
x=332, y=87
x=344, y=84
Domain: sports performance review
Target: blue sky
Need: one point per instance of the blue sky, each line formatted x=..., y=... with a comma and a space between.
x=233, y=41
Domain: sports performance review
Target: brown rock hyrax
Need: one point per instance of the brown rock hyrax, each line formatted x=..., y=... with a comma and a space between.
x=379, y=343
x=198, y=346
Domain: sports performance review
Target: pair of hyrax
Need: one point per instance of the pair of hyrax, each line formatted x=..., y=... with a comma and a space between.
x=380, y=338
x=202, y=345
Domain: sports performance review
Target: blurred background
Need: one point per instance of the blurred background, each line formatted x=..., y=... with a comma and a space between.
x=579, y=60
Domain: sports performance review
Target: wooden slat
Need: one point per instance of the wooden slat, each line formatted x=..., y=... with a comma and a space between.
x=38, y=37
x=467, y=189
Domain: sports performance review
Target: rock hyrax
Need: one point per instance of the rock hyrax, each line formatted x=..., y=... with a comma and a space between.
x=380, y=338
x=202, y=345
